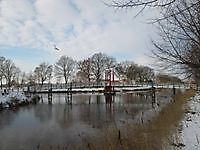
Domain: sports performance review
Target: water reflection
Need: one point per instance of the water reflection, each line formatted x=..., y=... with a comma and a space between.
x=109, y=98
x=7, y=117
x=62, y=123
x=43, y=112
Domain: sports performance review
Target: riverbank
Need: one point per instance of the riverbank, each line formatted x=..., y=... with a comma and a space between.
x=14, y=98
x=189, y=130
x=154, y=134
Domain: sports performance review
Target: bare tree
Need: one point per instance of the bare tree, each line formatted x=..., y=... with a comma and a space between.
x=36, y=75
x=85, y=70
x=164, y=6
x=179, y=23
x=145, y=74
x=164, y=78
x=136, y=73
x=132, y=72
x=64, y=67
x=121, y=69
x=100, y=62
x=23, y=79
x=179, y=47
x=2, y=59
x=9, y=71
x=110, y=62
x=16, y=77
x=43, y=72
x=31, y=78
x=142, y=3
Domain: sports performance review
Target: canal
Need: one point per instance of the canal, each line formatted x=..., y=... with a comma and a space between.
x=64, y=126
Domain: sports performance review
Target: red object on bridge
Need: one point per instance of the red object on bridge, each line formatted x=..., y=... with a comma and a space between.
x=109, y=76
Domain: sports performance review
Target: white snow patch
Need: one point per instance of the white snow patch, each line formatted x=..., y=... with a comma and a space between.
x=11, y=94
x=190, y=135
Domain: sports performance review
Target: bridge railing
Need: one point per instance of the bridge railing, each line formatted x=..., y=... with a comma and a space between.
x=77, y=85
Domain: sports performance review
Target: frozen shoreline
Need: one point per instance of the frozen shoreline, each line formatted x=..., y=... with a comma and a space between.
x=190, y=132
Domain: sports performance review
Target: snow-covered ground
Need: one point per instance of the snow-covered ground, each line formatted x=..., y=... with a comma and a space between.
x=7, y=96
x=190, y=133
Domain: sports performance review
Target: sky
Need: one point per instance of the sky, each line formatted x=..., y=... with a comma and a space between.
x=29, y=29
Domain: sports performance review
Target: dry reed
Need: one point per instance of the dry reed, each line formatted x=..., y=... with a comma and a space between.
x=157, y=134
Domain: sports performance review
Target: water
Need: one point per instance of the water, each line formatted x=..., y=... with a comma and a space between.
x=45, y=126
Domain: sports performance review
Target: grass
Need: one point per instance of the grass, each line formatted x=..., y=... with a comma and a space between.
x=157, y=134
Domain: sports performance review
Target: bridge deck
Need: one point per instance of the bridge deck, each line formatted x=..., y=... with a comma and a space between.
x=94, y=88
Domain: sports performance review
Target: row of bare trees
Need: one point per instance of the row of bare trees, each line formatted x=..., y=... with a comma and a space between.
x=66, y=69
x=133, y=72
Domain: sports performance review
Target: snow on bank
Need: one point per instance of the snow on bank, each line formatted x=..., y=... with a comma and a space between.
x=6, y=97
x=190, y=134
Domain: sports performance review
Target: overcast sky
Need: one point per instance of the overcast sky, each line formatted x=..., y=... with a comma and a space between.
x=79, y=28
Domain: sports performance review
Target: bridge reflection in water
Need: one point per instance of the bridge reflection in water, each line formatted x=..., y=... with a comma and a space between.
x=96, y=98
x=64, y=123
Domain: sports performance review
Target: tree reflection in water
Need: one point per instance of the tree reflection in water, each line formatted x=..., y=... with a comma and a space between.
x=7, y=117
x=43, y=112
x=64, y=124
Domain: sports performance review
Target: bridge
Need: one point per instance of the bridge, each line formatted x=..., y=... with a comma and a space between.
x=99, y=87
x=109, y=85
x=107, y=90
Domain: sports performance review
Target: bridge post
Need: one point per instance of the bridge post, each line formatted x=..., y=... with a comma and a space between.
x=153, y=96
x=174, y=89
x=109, y=78
x=153, y=90
x=50, y=95
x=27, y=91
x=69, y=94
x=90, y=99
